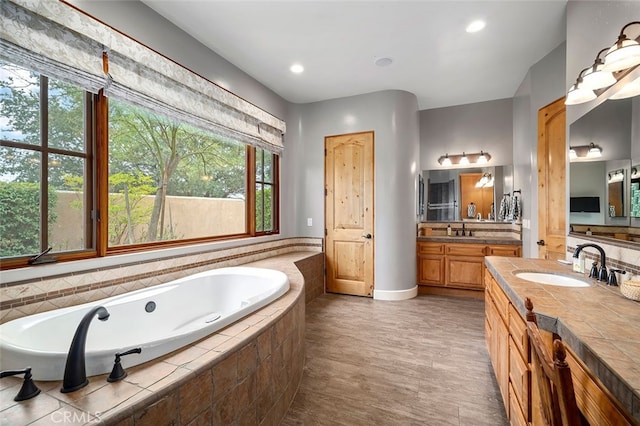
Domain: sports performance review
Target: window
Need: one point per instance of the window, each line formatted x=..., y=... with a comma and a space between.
x=167, y=182
x=45, y=165
x=266, y=166
x=171, y=181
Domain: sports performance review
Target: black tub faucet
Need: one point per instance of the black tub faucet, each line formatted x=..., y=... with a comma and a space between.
x=75, y=375
x=602, y=273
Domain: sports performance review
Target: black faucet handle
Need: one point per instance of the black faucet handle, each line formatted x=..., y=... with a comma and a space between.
x=613, y=280
x=118, y=373
x=28, y=389
x=602, y=274
x=594, y=270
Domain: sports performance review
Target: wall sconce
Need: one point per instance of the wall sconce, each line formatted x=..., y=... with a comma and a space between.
x=464, y=159
x=623, y=55
x=585, y=151
x=635, y=173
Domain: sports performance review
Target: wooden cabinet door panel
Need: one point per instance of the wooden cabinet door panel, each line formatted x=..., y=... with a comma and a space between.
x=516, y=413
x=431, y=270
x=464, y=272
x=518, y=331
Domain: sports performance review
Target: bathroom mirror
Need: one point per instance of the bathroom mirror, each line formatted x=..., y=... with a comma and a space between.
x=634, y=197
x=449, y=192
x=615, y=186
x=614, y=126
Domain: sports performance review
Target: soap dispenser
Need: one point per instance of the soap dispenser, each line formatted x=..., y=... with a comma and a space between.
x=449, y=230
x=579, y=263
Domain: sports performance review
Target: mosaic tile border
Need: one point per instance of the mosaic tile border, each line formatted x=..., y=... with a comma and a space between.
x=23, y=298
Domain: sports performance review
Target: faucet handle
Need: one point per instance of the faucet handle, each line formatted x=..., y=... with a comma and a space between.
x=594, y=270
x=613, y=281
x=118, y=373
x=28, y=389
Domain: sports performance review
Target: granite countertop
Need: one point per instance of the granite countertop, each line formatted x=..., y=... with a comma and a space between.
x=598, y=323
x=469, y=240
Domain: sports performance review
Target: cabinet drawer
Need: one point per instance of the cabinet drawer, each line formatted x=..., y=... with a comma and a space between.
x=430, y=248
x=506, y=250
x=519, y=376
x=466, y=249
x=501, y=301
x=518, y=331
x=516, y=414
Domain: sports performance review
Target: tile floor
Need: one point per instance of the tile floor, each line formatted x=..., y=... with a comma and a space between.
x=415, y=362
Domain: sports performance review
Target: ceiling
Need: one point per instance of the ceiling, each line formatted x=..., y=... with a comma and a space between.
x=338, y=43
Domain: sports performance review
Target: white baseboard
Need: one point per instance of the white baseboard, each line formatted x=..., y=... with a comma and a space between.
x=395, y=294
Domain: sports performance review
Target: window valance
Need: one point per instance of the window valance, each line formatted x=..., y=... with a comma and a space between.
x=58, y=40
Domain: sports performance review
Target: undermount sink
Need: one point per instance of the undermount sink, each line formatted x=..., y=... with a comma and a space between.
x=552, y=279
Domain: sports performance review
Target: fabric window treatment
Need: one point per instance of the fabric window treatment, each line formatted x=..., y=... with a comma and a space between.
x=57, y=40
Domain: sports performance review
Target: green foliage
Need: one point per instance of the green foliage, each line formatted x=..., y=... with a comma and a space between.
x=20, y=212
x=126, y=212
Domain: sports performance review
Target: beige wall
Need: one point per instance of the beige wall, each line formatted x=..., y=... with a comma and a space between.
x=216, y=216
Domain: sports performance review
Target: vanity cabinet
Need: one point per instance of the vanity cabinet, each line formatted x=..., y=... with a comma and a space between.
x=456, y=265
x=509, y=352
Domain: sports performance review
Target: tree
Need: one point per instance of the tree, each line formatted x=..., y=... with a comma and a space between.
x=183, y=160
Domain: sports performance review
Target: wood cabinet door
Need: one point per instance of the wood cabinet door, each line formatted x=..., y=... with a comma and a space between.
x=431, y=270
x=464, y=272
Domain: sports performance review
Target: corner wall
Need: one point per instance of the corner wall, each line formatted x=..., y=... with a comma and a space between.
x=393, y=116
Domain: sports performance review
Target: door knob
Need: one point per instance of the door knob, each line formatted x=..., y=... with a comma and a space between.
x=367, y=236
x=540, y=243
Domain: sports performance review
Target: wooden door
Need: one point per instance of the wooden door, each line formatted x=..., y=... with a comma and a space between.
x=349, y=215
x=552, y=157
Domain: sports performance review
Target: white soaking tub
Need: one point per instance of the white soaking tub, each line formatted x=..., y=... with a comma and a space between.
x=158, y=319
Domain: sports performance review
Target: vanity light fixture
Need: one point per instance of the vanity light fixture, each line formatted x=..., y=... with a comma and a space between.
x=579, y=93
x=616, y=176
x=625, y=52
x=595, y=77
x=464, y=159
x=584, y=151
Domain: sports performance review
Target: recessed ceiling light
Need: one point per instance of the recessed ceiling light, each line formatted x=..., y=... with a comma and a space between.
x=476, y=26
x=383, y=62
x=296, y=68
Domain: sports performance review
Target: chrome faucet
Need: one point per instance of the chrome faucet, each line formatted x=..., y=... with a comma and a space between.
x=75, y=375
x=602, y=273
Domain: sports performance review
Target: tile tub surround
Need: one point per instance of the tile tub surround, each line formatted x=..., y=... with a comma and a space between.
x=620, y=254
x=481, y=229
x=19, y=298
x=598, y=323
x=246, y=373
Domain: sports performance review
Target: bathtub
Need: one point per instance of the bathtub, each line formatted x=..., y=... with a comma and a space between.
x=158, y=319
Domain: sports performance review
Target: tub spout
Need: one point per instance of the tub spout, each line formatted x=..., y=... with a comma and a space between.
x=75, y=375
